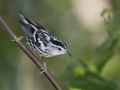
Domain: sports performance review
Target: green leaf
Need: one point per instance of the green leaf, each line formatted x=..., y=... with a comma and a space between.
x=107, y=15
x=80, y=77
x=114, y=27
x=104, y=52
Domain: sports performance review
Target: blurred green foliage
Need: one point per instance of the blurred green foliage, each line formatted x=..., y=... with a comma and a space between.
x=91, y=72
x=81, y=77
x=103, y=53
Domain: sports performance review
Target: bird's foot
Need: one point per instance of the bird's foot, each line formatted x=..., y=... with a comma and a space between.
x=17, y=39
x=44, y=68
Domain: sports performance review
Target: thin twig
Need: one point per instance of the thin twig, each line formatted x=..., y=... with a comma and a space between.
x=30, y=54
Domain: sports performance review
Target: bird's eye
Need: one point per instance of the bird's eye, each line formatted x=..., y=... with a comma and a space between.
x=59, y=49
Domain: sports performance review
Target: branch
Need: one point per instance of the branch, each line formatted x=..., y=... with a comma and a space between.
x=30, y=54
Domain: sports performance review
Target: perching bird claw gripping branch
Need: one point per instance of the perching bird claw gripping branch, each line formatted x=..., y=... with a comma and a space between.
x=30, y=54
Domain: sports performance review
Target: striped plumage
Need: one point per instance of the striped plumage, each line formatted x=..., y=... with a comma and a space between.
x=41, y=40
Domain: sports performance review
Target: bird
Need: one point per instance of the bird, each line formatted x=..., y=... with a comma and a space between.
x=40, y=39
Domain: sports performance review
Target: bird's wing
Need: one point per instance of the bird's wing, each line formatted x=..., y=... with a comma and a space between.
x=26, y=28
x=30, y=27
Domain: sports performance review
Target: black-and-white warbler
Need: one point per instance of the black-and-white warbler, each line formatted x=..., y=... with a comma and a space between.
x=41, y=40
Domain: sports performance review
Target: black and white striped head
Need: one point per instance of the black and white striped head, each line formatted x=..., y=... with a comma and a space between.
x=59, y=47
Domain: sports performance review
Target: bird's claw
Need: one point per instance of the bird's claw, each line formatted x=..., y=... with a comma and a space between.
x=17, y=39
x=44, y=68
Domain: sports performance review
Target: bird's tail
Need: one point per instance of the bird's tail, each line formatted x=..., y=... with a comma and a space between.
x=23, y=17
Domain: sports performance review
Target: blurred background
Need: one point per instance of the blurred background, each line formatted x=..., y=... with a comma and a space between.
x=90, y=28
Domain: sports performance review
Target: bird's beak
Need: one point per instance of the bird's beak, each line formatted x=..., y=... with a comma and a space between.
x=68, y=53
